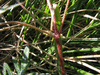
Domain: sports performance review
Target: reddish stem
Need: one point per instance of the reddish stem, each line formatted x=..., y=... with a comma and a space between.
x=53, y=17
x=64, y=15
x=60, y=55
x=57, y=38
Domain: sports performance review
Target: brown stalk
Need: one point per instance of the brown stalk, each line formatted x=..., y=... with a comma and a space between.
x=28, y=25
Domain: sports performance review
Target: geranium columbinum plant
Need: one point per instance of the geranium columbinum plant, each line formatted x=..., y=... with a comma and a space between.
x=57, y=33
x=55, y=29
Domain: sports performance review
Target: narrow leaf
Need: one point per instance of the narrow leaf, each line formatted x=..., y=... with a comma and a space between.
x=16, y=65
x=4, y=69
x=7, y=68
x=57, y=15
x=24, y=61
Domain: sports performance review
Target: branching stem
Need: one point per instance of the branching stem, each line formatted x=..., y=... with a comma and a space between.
x=57, y=38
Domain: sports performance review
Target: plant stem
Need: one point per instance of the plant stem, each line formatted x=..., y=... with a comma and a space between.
x=64, y=15
x=57, y=38
x=31, y=26
x=60, y=55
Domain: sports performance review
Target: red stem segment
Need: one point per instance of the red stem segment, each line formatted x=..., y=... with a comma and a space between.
x=60, y=55
x=53, y=17
x=57, y=38
x=64, y=15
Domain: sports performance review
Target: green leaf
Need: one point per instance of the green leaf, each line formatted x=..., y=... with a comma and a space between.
x=16, y=65
x=26, y=53
x=4, y=69
x=57, y=15
x=7, y=68
x=24, y=61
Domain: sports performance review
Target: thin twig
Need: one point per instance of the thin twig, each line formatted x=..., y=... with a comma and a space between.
x=64, y=14
x=9, y=28
x=28, y=25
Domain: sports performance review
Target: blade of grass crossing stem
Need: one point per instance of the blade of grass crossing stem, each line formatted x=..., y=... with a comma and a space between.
x=93, y=32
x=58, y=60
x=72, y=24
x=7, y=68
x=81, y=31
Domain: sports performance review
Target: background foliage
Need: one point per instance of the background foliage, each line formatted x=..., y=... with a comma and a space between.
x=35, y=54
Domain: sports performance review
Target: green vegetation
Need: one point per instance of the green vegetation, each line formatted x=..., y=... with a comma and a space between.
x=26, y=50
